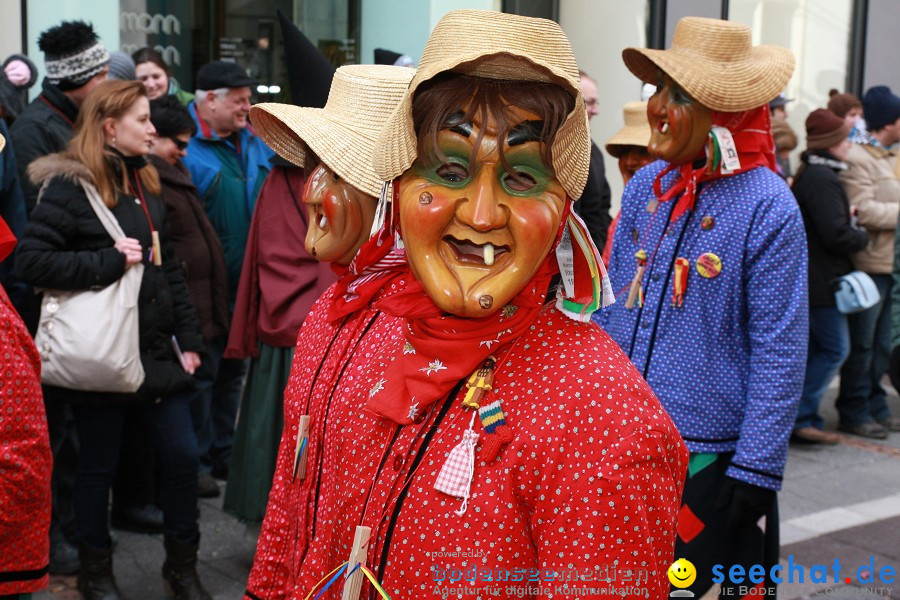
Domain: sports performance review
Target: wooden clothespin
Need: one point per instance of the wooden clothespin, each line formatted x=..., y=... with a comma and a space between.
x=358, y=556
x=301, y=449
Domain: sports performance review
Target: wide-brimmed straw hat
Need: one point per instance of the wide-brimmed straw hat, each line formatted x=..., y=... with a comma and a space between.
x=715, y=62
x=344, y=133
x=500, y=46
x=636, y=131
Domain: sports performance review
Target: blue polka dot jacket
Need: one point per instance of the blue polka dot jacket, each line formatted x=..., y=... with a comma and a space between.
x=728, y=363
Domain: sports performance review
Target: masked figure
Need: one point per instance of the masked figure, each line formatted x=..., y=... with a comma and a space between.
x=711, y=263
x=469, y=402
x=322, y=195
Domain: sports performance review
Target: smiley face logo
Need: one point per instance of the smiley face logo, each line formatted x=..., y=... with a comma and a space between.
x=682, y=573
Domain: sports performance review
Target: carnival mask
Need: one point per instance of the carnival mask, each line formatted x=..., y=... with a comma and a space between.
x=679, y=125
x=632, y=160
x=477, y=231
x=340, y=217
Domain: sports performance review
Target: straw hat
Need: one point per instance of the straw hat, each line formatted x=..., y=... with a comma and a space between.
x=496, y=45
x=636, y=131
x=344, y=133
x=714, y=62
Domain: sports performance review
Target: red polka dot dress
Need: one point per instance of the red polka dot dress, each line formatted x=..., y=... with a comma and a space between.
x=25, y=460
x=588, y=487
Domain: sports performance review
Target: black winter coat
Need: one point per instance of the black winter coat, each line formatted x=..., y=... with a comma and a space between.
x=830, y=235
x=66, y=247
x=44, y=127
x=198, y=248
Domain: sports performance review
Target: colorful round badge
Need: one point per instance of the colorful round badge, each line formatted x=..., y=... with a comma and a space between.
x=709, y=265
x=707, y=223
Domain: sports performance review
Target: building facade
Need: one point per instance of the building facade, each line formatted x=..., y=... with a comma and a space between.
x=843, y=44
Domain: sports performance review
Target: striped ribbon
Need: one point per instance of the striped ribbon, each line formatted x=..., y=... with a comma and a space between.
x=586, y=286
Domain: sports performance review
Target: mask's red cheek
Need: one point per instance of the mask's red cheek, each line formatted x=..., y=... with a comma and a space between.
x=534, y=222
x=331, y=203
x=430, y=208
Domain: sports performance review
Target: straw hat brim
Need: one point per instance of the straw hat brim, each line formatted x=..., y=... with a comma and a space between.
x=570, y=153
x=625, y=138
x=722, y=85
x=291, y=130
x=620, y=148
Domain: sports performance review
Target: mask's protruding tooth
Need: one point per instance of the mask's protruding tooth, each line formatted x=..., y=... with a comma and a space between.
x=489, y=254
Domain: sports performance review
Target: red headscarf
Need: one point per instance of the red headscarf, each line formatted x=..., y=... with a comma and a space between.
x=752, y=133
x=378, y=262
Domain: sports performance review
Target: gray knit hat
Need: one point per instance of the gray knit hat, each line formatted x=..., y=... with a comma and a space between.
x=121, y=66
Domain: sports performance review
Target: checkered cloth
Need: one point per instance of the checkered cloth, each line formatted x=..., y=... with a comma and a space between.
x=455, y=478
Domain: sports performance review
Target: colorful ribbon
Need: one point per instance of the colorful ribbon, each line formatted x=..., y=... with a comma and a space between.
x=334, y=575
x=586, y=287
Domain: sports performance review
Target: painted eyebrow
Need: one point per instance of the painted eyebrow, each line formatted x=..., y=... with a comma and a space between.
x=524, y=132
x=457, y=124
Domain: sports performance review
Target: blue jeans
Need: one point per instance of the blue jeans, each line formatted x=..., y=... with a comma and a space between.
x=862, y=398
x=829, y=346
x=214, y=404
x=100, y=433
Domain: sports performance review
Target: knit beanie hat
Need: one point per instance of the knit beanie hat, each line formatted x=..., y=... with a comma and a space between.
x=121, y=66
x=824, y=129
x=880, y=107
x=72, y=54
x=840, y=104
x=18, y=74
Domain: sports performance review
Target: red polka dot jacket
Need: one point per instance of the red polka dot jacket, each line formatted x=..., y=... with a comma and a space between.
x=25, y=460
x=589, y=486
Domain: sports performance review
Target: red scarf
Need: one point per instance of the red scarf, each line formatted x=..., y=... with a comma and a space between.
x=752, y=133
x=376, y=264
x=441, y=349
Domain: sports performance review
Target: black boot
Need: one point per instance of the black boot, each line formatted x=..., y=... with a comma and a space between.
x=180, y=572
x=95, y=579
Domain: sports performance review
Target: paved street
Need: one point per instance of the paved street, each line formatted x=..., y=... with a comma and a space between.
x=839, y=502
